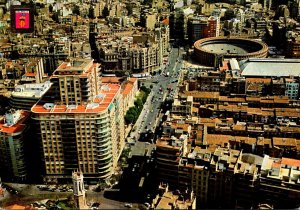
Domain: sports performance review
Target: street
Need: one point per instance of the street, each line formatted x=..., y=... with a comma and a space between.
x=163, y=87
x=30, y=193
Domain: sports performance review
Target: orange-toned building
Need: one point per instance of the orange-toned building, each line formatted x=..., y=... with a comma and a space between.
x=12, y=131
x=129, y=89
x=80, y=122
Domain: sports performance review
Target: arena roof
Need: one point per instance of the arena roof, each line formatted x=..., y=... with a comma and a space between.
x=269, y=67
x=230, y=46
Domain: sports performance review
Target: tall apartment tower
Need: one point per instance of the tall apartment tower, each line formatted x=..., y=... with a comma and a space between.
x=80, y=123
x=13, y=129
x=78, y=190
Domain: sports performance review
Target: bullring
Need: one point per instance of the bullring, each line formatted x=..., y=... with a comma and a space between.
x=208, y=50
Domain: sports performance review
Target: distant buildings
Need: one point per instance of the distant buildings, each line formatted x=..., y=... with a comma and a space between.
x=202, y=27
x=133, y=52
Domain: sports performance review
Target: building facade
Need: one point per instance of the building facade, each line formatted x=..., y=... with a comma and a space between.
x=12, y=150
x=80, y=123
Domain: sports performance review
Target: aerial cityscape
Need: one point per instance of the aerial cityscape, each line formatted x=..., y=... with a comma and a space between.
x=149, y=104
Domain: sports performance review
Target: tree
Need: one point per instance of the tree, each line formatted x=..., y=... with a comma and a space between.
x=129, y=118
x=139, y=104
x=76, y=10
x=105, y=12
x=145, y=89
x=133, y=113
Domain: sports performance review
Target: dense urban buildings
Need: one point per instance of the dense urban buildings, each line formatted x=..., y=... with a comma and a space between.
x=166, y=104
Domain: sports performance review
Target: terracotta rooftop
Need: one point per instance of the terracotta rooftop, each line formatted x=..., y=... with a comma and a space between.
x=111, y=80
x=277, y=141
x=259, y=80
x=128, y=86
x=100, y=103
x=166, y=21
x=18, y=127
x=202, y=94
x=184, y=126
x=290, y=162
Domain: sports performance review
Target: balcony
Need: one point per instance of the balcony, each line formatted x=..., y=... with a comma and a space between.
x=103, y=162
x=104, y=154
x=104, y=131
x=104, y=146
x=107, y=147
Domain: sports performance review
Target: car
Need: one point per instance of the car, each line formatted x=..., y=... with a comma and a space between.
x=95, y=205
x=128, y=205
x=147, y=205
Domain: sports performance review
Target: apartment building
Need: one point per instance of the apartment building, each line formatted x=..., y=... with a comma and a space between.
x=194, y=173
x=292, y=88
x=26, y=95
x=129, y=89
x=145, y=59
x=139, y=52
x=168, y=151
x=183, y=107
x=12, y=145
x=279, y=182
x=200, y=27
x=34, y=71
x=293, y=47
x=80, y=123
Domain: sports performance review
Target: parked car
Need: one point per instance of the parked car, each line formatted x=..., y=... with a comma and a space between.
x=128, y=205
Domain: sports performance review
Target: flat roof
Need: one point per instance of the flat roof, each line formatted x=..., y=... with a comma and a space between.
x=35, y=90
x=16, y=128
x=268, y=67
x=100, y=103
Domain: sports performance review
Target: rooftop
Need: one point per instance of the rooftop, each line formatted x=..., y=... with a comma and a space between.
x=100, y=103
x=31, y=90
x=15, y=128
x=269, y=67
x=80, y=67
x=127, y=85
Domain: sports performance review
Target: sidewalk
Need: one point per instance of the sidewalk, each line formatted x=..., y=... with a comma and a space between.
x=141, y=116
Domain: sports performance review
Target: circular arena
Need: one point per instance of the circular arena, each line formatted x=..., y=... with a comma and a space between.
x=208, y=51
